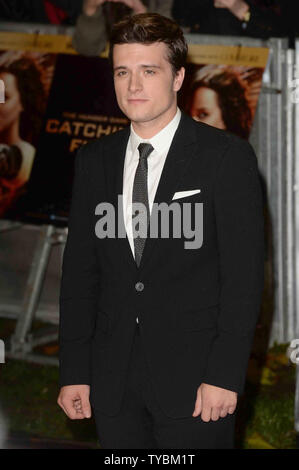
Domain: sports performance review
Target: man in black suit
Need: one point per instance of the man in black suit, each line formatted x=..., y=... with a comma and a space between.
x=155, y=329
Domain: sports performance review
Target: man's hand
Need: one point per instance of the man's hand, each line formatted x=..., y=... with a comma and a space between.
x=214, y=402
x=236, y=7
x=91, y=6
x=136, y=5
x=74, y=400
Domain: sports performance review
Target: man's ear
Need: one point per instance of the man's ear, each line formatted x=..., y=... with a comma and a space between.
x=178, y=79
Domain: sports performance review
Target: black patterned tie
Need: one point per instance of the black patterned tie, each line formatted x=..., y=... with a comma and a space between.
x=140, y=195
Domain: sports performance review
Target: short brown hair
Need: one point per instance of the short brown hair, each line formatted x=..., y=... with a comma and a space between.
x=147, y=28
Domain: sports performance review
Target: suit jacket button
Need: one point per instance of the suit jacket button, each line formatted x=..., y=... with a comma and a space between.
x=139, y=286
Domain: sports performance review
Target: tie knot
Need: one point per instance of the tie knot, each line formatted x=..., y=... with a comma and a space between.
x=145, y=149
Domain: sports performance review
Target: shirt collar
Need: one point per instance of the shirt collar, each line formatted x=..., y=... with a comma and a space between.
x=161, y=140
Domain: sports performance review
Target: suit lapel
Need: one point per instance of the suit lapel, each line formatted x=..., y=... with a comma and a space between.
x=178, y=159
x=114, y=164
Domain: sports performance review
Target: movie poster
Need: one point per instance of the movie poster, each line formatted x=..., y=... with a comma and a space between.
x=81, y=107
x=27, y=78
x=57, y=100
x=222, y=86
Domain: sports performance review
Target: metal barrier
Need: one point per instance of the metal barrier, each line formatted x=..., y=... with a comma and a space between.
x=27, y=309
x=272, y=137
x=295, y=102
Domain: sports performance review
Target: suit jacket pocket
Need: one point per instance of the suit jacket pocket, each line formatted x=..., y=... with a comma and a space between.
x=103, y=322
x=194, y=320
x=103, y=331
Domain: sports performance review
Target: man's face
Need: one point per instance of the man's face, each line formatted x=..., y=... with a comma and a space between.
x=144, y=83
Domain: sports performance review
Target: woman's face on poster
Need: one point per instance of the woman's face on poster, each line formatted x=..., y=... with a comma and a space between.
x=11, y=109
x=205, y=107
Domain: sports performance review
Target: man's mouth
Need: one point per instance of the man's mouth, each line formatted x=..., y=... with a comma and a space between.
x=136, y=100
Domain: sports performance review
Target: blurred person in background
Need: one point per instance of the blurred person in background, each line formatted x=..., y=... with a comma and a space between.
x=218, y=97
x=254, y=18
x=41, y=11
x=98, y=16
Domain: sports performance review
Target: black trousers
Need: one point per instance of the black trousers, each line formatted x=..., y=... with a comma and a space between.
x=141, y=424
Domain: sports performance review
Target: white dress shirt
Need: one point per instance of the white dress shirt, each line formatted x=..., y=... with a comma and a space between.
x=161, y=143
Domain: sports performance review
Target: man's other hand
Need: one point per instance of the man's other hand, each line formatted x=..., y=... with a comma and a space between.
x=236, y=7
x=214, y=402
x=91, y=6
x=136, y=5
x=74, y=400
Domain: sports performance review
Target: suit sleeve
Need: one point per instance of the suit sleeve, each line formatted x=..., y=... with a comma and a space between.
x=238, y=205
x=79, y=284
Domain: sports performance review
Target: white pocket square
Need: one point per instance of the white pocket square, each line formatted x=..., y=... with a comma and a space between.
x=185, y=193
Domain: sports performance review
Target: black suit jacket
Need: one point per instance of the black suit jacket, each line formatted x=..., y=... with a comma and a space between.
x=198, y=308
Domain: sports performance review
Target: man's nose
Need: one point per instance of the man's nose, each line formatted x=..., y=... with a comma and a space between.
x=135, y=82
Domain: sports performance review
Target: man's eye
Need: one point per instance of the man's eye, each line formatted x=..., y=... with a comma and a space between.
x=119, y=74
x=151, y=72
